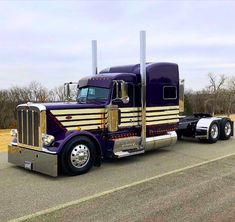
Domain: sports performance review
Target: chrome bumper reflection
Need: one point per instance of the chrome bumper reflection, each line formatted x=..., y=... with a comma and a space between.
x=33, y=160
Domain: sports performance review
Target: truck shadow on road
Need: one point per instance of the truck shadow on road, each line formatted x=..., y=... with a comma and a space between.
x=141, y=157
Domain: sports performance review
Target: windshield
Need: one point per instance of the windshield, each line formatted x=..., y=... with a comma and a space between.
x=93, y=94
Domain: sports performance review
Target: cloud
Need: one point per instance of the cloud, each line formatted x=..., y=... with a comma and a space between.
x=49, y=41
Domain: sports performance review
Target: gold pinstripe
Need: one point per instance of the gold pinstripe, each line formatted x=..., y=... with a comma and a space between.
x=162, y=113
x=162, y=122
x=162, y=117
x=129, y=124
x=81, y=117
x=77, y=111
x=83, y=127
x=130, y=109
x=161, y=108
x=72, y=123
x=130, y=114
x=129, y=119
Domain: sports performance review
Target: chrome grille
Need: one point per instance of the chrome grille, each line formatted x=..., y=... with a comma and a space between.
x=28, y=123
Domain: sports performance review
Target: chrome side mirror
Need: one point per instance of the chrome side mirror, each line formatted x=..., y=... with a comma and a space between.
x=67, y=93
x=124, y=92
x=121, y=91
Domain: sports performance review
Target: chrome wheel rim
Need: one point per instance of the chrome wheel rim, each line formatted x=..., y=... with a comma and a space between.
x=227, y=129
x=214, y=131
x=80, y=156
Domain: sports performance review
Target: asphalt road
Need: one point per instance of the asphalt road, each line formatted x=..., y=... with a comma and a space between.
x=205, y=193
x=24, y=192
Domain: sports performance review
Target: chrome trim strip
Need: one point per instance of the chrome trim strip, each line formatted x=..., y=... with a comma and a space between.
x=122, y=154
x=22, y=127
x=13, y=144
x=33, y=127
x=162, y=137
x=48, y=151
x=27, y=126
x=39, y=106
x=29, y=146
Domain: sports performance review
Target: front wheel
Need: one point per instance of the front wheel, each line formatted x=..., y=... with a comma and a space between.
x=78, y=156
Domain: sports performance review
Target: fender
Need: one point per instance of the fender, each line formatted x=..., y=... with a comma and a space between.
x=203, y=125
x=72, y=134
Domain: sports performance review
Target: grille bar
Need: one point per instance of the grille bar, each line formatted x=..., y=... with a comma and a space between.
x=28, y=123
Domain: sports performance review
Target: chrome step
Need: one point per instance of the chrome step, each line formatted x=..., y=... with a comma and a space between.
x=121, y=154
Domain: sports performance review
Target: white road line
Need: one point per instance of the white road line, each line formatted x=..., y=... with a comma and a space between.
x=68, y=204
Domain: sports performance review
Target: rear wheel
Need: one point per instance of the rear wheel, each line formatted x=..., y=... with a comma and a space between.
x=213, y=132
x=179, y=135
x=225, y=129
x=78, y=156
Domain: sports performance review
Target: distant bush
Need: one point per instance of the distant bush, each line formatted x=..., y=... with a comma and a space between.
x=34, y=92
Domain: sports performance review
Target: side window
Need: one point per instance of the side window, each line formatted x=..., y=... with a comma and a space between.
x=169, y=92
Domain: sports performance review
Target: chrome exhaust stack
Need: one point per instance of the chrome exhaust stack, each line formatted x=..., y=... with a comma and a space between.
x=94, y=57
x=143, y=86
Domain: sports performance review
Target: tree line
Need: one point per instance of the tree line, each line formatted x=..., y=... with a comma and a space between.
x=34, y=92
x=217, y=98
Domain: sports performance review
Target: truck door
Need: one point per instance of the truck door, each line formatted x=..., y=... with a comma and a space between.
x=129, y=111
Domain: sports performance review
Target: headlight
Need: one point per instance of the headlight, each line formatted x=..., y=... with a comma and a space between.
x=14, y=132
x=47, y=139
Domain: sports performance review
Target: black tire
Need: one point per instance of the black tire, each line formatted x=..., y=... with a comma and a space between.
x=213, y=136
x=69, y=157
x=225, y=129
x=179, y=135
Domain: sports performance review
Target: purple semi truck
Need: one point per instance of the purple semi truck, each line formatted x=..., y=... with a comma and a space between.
x=119, y=112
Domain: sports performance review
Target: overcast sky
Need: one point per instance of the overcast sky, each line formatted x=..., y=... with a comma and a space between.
x=50, y=41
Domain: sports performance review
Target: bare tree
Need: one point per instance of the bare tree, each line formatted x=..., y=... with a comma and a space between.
x=57, y=94
x=229, y=94
x=38, y=93
x=216, y=84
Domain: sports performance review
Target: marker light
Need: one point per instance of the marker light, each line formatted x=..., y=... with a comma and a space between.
x=13, y=132
x=47, y=139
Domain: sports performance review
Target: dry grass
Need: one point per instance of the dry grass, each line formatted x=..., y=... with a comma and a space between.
x=232, y=116
x=5, y=139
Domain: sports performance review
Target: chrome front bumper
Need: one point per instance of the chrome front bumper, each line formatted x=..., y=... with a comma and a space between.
x=33, y=160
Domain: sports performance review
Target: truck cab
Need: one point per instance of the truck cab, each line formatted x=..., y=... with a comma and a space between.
x=106, y=118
